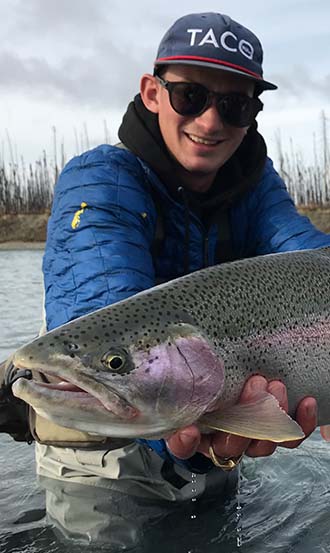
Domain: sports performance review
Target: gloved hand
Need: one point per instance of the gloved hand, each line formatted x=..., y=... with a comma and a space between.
x=13, y=411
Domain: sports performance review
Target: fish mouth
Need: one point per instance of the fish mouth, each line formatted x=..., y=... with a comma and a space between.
x=64, y=391
x=68, y=405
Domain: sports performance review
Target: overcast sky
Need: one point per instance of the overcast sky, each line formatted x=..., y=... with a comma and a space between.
x=75, y=65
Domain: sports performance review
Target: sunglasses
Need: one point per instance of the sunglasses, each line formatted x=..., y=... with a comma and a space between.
x=235, y=109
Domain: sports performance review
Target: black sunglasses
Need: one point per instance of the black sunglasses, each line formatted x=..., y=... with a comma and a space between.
x=236, y=109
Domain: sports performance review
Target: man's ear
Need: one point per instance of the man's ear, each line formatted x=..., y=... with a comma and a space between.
x=149, y=91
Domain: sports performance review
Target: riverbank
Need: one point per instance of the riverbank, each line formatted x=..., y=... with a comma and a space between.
x=320, y=217
x=24, y=231
x=23, y=228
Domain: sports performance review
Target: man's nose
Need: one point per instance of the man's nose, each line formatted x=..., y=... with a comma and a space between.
x=210, y=118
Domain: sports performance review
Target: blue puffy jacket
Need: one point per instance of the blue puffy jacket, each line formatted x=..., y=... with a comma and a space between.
x=102, y=228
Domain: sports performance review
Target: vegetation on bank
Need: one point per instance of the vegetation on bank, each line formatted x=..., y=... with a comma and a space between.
x=26, y=189
x=308, y=184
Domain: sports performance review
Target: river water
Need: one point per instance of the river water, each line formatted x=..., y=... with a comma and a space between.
x=284, y=500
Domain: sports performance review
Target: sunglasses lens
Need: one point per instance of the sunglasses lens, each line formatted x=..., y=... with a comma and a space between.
x=188, y=99
x=235, y=109
x=239, y=110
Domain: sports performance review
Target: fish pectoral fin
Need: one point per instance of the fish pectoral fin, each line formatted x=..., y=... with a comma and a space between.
x=325, y=432
x=260, y=419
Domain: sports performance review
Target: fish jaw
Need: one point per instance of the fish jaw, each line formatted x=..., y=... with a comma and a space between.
x=82, y=411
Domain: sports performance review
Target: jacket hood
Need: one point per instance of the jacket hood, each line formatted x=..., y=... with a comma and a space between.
x=141, y=134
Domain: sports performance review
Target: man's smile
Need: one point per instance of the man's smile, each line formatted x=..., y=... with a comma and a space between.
x=202, y=140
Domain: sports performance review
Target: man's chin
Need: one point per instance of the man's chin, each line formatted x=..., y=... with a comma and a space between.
x=199, y=177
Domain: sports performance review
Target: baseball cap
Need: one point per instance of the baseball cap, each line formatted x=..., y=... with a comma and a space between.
x=214, y=40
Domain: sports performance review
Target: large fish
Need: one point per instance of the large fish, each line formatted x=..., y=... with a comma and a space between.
x=180, y=353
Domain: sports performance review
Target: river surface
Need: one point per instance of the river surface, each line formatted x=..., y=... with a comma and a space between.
x=284, y=500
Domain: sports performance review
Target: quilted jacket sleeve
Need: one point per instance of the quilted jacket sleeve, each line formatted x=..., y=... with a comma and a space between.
x=99, y=235
x=274, y=222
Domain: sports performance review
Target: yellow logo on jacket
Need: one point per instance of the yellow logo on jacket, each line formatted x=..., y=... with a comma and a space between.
x=76, y=218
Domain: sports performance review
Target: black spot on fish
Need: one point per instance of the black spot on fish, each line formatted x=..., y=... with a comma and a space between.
x=72, y=347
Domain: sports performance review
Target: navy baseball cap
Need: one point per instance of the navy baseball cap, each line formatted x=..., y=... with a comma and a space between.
x=214, y=40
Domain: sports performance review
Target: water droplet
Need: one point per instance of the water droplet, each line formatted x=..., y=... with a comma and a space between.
x=239, y=537
x=193, y=494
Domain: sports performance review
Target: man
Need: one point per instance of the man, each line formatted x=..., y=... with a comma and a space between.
x=189, y=186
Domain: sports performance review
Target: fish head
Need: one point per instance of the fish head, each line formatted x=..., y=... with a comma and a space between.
x=122, y=372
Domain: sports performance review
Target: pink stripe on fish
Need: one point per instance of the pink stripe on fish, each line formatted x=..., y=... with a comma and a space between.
x=316, y=332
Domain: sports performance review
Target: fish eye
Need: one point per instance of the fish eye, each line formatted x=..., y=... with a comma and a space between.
x=114, y=361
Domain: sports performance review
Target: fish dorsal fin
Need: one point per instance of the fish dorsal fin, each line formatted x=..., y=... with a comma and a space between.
x=260, y=419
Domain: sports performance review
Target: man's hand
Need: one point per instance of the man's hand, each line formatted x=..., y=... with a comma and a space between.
x=187, y=441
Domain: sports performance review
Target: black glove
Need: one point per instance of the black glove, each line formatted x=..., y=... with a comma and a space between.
x=13, y=411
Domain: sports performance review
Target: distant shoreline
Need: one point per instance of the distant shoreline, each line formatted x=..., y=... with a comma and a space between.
x=19, y=245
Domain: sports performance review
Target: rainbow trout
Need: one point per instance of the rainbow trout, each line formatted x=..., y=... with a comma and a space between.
x=180, y=353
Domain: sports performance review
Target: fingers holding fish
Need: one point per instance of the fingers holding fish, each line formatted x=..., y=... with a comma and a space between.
x=264, y=448
x=256, y=384
x=306, y=417
x=229, y=445
x=260, y=448
x=185, y=442
x=188, y=441
x=224, y=445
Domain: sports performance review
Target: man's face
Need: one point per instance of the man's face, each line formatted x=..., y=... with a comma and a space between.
x=203, y=143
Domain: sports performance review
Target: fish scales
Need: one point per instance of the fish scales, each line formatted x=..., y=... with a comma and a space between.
x=267, y=315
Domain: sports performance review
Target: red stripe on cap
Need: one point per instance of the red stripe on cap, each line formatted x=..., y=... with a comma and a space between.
x=211, y=60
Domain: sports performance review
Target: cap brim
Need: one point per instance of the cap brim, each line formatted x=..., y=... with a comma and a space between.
x=262, y=84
